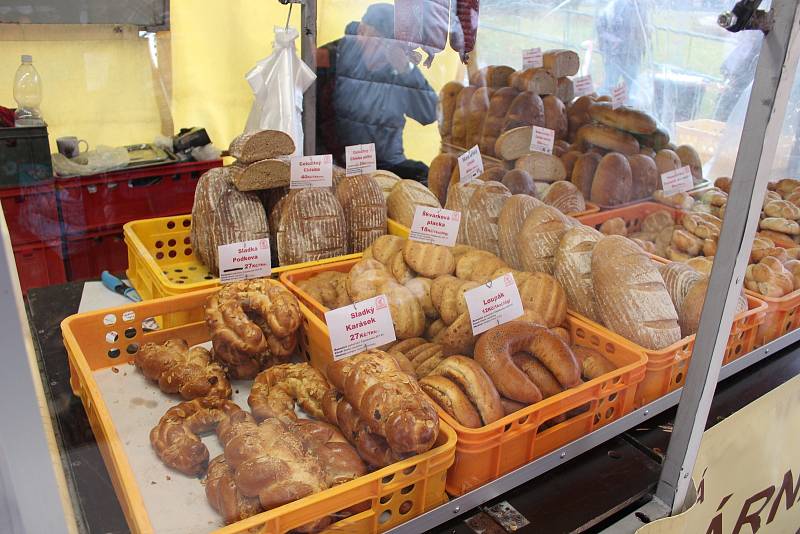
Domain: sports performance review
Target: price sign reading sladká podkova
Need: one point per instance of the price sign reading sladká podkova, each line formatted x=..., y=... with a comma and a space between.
x=493, y=303
x=244, y=260
x=360, y=326
x=435, y=225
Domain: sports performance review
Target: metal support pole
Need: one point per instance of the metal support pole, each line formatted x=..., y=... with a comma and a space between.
x=308, y=52
x=774, y=77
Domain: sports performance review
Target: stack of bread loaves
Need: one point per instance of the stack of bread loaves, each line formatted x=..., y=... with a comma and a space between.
x=262, y=160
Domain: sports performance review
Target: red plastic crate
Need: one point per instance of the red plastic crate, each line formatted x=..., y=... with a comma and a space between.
x=40, y=264
x=110, y=199
x=90, y=254
x=31, y=213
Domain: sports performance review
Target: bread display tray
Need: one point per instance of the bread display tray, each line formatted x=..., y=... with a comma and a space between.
x=161, y=260
x=483, y=454
x=122, y=407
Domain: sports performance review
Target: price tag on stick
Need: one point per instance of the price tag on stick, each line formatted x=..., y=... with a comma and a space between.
x=493, y=303
x=583, y=85
x=470, y=164
x=532, y=58
x=311, y=171
x=677, y=181
x=542, y=139
x=435, y=225
x=244, y=260
x=360, y=326
x=360, y=159
x=619, y=95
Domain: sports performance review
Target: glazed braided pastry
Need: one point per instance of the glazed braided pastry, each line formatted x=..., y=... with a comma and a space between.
x=179, y=369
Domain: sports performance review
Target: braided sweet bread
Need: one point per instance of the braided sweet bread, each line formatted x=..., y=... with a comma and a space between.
x=179, y=369
x=253, y=326
x=224, y=496
x=275, y=391
x=175, y=438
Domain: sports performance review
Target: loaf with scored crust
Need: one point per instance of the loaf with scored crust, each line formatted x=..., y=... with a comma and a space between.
x=311, y=226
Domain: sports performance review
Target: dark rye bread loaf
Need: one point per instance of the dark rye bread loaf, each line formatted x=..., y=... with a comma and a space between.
x=364, y=210
x=265, y=144
x=311, y=226
x=221, y=214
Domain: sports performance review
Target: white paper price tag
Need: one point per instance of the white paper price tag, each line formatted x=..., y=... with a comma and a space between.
x=360, y=159
x=360, y=326
x=470, y=164
x=245, y=260
x=583, y=85
x=542, y=139
x=311, y=171
x=435, y=225
x=677, y=181
x=493, y=303
x=532, y=58
x=619, y=95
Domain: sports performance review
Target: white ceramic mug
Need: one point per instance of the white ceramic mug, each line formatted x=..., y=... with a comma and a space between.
x=70, y=146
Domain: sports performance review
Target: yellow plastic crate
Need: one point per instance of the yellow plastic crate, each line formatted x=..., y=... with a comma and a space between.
x=161, y=261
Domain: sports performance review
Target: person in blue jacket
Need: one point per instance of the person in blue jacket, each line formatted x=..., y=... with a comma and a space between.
x=367, y=87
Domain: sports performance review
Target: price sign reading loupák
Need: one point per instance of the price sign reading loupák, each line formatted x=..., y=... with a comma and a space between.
x=583, y=85
x=311, y=171
x=470, y=164
x=542, y=139
x=435, y=225
x=493, y=303
x=532, y=58
x=360, y=159
x=244, y=260
x=677, y=181
x=360, y=326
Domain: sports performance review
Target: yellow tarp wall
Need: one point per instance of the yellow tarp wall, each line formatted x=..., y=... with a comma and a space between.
x=99, y=83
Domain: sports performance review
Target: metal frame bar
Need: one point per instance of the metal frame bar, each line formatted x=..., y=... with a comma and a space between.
x=460, y=505
x=308, y=53
x=774, y=78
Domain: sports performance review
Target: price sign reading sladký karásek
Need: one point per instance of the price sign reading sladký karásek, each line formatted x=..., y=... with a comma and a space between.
x=360, y=326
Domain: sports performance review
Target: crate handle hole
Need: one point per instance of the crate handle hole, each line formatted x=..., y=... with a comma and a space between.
x=170, y=224
x=178, y=270
x=113, y=353
x=406, y=507
x=171, y=242
x=385, y=517
x=610, y=413
x=187, y=252
x=112, y=336
x=133, y=348
x=186, y=223
x=679, y=378
x=130, y=333
x=109, y=319
x=409, y=470
x=595, y=340
x=187, y=240
x=387, y=479
x=612, y=397
x=596, y=418
x=172, y=254
x=523, y=420
x=407, y=489
x=386, y=498
x=160, y=256
x=616, y=380
x=159, y=244
x=609, y=348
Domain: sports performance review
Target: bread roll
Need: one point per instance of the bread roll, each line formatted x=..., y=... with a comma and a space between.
x=608, y=138
x=544, y=298
x=406, y=195
x=583, y=172
x=573, y=269
x=631, y=296
x=480, y=219
x=460, y=115
x=689, y=156
x=561, y=62
x=542, y=167
x=666, y=161
x=536, y=80
x=448, y=98
x=565, y=197
x=527, y=109
x=622, y=118
x=428, y=260
x=439, y=175
x=612, y=183
x=539, y=238
x=478, y=107
x=555, y=116
x=364, y=211
x=495, y=118
x=512, y=216
x=644, y=176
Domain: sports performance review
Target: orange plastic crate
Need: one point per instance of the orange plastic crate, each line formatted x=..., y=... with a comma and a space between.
x=633, y=215
x=396, y=493
x=483, y=454
x=780, y=318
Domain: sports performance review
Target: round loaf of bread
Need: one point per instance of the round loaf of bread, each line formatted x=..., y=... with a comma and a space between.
x=608, y=138
x=364, y=210
x=519, y=182
x=492, y=174
x=515, y=210
x=542, y=167
x=539, y=237
x=544, y=298
x=573, y=269
x=565, y=197
x=428, y=259
x=623, y=118
x=555, y=116
x=666, y=161
x=439, y=175
x=385, y=247
x=406, y=195
x=644, y=176
x=312, y=227
x=481, y=215
x=583, y=172
x=631, y=296
x=612, y=183
x=527, y=109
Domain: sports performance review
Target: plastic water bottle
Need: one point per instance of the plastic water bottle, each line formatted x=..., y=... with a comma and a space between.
x=28, y=94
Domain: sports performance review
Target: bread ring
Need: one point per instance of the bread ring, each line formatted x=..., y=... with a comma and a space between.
x=778, y=224
x=180, y=369
x=471, y=377
x=451, y=399
x=608, y=138
x=495, y=348
x=686, y=242
x=275, y=391
x=593, y=364
x=426, y=367
x=782, y=209
x=538, y=373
